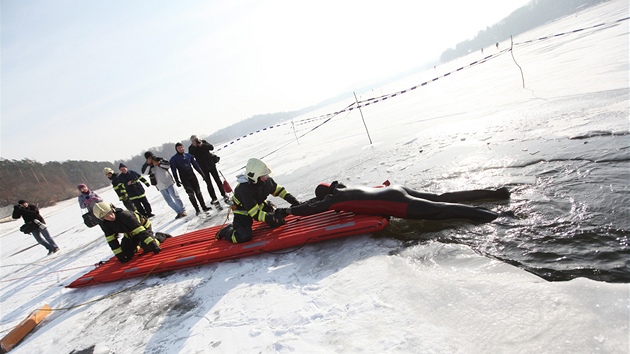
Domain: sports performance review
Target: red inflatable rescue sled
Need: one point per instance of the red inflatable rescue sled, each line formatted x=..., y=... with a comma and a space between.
x=200, y=247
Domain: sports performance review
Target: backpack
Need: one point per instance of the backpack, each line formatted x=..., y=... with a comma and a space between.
x=90, y=220
x=28, y=227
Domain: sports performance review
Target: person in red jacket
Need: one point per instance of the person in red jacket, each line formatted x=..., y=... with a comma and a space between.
x=399, y=201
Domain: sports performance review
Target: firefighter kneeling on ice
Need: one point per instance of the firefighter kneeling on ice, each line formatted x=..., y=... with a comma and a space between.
x=250, y=202
x=136, y=230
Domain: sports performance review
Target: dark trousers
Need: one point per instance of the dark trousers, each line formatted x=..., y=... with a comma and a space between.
x=129, y=204
x=242, y=225
x=129, y=245
x=142, y=205
x=212, y=171
x=191, y=185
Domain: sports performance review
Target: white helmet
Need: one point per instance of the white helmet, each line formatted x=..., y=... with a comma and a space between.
x=101, y=209
x=256, y=168
x=107, y=170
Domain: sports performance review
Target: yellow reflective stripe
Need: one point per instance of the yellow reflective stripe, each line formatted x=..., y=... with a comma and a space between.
x=137, y=230
x=254, y=210
x=236, y=201
x=240, y=212
x=234, y=240
x=137, y=197
x=150, y=239
x=146, y=225
x=257, y=213
x=110, y=238
x=280, y=191
x=117, y=250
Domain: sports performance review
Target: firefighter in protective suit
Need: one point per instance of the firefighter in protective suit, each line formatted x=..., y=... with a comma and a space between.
x=250, y=202
x=136, y=230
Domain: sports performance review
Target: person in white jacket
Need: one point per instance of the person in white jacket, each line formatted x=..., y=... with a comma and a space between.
x=160, y=169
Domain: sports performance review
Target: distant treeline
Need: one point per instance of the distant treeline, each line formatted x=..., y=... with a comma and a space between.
x=48, y=183
x=532, y=15
x=45, y=184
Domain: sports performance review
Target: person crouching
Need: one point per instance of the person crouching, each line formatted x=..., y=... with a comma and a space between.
x=136, y=230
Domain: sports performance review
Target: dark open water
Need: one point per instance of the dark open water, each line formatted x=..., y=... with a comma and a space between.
x=571, y=194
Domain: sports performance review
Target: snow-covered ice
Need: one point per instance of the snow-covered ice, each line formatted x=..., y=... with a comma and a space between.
x=361, y=293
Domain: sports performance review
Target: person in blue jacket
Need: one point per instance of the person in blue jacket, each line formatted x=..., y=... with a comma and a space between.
x=183, y=166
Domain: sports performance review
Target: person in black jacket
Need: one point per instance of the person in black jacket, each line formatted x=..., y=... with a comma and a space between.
x=250, y=202
x=201, y=150
x=34, y=224
x=136, y=230
x=119, y=188
x=133, y=183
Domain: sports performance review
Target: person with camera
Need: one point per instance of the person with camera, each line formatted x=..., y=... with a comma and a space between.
x=87, y=198
x=202, y=151
x=160, y=169
x=250, y=202
x=35, y=225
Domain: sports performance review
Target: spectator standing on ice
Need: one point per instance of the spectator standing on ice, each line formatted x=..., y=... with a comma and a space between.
x=183, y=166
x=133, y=183
x=160, y=168
x=202, y=151
x=35, y=225
x=87, y=198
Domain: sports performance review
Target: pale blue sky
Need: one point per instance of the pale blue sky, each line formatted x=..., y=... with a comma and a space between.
x=104, y=80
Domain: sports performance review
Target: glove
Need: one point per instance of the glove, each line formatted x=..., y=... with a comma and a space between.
x=179, y=184
x=125, y=198
x=276, y=220
x=283, y=212
x=148, y=185
x=268, y=207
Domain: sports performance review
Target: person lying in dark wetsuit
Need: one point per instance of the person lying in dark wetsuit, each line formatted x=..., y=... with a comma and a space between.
x=398, y=201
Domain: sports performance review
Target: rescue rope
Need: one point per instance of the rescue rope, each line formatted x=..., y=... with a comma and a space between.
x=370, y=101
